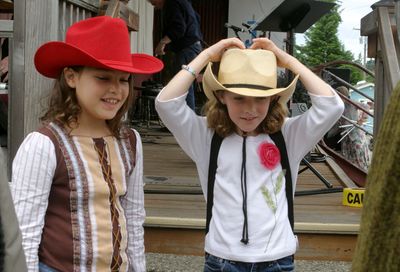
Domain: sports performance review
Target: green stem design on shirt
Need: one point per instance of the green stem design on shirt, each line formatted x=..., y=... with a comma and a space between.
x=268, y=198
x=279, y=182
x=271, y=200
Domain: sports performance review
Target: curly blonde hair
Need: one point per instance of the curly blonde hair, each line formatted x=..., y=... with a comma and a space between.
x=219, y=120
x=63, y=105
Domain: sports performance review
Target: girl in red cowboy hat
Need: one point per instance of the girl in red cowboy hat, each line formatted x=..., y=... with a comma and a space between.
x=246, y=150
x=77, y=182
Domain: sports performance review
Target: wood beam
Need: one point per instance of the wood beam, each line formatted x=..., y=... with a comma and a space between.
x=6, y=28
x=118, y=9
x=389, y=54
x=397, y=16
x=313, y=246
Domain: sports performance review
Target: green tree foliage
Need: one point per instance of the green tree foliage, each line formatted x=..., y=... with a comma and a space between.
x=378, y=243
x=322, y=44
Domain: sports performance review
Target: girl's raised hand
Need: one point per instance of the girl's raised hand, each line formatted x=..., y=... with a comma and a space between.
x=215, y=51
x=283, y=59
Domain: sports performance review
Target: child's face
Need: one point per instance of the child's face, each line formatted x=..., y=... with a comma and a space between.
x=100, y=92
x=245, y=112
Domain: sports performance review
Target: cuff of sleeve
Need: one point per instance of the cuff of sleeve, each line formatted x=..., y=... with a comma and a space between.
x=172, y=104
x=179, y=98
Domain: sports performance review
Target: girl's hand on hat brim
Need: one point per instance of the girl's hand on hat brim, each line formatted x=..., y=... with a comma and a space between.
x=215, y=51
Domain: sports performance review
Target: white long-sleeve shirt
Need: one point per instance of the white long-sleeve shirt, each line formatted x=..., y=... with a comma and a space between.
x=270, y=234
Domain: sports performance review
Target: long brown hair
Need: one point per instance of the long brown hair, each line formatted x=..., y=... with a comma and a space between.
x=63, y=105
x=219, y=120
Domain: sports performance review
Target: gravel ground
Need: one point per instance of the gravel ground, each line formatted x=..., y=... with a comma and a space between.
x=178, y=263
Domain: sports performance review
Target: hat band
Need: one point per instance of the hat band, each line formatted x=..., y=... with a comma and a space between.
x=247, y=86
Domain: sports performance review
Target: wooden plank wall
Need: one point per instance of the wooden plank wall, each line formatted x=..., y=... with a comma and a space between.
x=36, y=22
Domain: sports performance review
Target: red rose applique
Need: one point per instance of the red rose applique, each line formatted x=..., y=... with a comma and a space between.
x=269, y=155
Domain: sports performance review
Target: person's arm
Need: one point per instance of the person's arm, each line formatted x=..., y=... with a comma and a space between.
x=183, y=79
x=32, y=175
x=160, y=49
x=311, y=81
x=133, y=203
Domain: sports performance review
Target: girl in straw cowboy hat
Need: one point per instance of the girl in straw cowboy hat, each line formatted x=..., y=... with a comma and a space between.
x=249, y=182
x=77, y=182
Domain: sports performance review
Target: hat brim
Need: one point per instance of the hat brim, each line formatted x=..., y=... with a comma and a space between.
x=51, y=58
x=211, y=84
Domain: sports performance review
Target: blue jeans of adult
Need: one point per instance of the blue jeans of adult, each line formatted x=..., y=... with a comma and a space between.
x=185, y=56
x=214, y=264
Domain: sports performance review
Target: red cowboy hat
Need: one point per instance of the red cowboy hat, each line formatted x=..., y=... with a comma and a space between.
x=101, y=42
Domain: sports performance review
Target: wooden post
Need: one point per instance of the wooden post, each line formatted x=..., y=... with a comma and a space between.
x=383, y=45
x=388, y=48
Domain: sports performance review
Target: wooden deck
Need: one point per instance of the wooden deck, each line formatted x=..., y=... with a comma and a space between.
x=176, y=209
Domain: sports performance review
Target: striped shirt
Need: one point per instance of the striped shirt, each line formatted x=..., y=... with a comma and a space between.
x=73, y=215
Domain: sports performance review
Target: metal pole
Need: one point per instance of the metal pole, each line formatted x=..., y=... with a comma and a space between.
x=365, y=56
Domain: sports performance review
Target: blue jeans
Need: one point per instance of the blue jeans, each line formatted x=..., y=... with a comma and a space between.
x=214, y=264
x=45, y=268
x=185, y=56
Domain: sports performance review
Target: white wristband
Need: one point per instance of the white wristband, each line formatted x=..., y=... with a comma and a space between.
x=190, y=70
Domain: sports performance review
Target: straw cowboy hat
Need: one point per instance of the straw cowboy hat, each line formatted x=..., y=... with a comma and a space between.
x=101, y=42
x=247, y=72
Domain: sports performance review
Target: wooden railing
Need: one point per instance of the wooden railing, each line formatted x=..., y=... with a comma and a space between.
x=35, y=22
x=322, y=71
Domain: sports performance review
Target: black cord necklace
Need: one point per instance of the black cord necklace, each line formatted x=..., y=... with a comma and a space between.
x=245, y=232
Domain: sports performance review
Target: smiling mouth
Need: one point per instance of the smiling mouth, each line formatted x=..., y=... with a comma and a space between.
x=248, y=118
x=110, y=100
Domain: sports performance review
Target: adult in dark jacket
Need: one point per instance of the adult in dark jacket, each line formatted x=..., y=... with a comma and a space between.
x=181, y=32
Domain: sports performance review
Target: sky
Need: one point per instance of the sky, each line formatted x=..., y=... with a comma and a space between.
x=349, y=34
